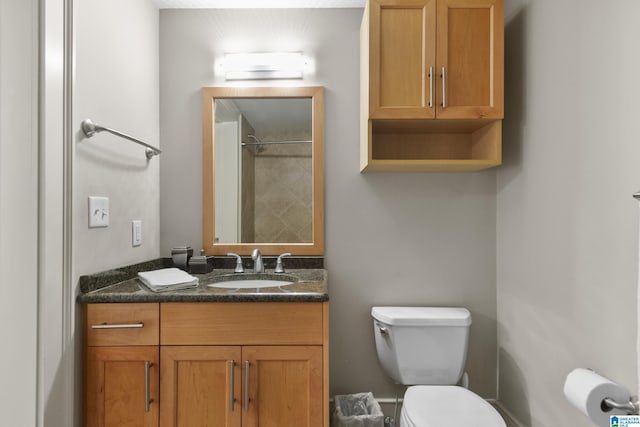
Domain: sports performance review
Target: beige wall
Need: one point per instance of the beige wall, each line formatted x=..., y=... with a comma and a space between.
x=423, y=239
x=116, y=85
x=567, y=224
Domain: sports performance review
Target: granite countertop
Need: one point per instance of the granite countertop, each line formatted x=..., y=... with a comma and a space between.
x=311, y=286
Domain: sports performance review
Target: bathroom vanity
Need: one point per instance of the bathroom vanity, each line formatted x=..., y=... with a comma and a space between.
x=207, y=356
x=222, y=354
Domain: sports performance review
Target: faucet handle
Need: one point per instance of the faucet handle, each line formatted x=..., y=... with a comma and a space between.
x=258, y=264
x=279, y=265
x=239, y=268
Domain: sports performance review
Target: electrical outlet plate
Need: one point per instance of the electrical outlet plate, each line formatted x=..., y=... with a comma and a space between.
x=98, y=212
x=136, y=232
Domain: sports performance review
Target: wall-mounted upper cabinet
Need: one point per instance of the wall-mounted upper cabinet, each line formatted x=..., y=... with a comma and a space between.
x=432, y=84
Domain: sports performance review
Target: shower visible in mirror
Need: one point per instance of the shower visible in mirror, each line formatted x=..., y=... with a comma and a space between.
x=266, y=187
x=263, y=170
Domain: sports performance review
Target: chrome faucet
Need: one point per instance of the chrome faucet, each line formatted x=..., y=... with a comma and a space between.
x=258, y=265
x=239, y=268
x=279, y=265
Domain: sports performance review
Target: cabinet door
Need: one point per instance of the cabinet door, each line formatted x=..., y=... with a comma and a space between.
x=471, y=52
x=401, y=54
x=200, y=386
x=284, y=386
x=121, y=387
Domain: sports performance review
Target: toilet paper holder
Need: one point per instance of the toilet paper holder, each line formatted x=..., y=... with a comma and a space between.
x=598, y=397
x=632, y=406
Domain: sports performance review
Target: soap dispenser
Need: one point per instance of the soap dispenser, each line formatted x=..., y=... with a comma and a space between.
x=200, y=264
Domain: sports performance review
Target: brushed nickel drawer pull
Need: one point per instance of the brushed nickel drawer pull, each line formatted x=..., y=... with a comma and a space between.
x=246, y=385
x=232, y=366
x=147, y=387
x=430, y=87
x=118, y=326
x=444, y=87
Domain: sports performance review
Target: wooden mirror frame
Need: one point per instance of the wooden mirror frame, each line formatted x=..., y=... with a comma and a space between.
x=209, y=95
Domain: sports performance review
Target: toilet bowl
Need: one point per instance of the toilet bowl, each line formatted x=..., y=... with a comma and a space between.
x=438, y=406
x=426, y=348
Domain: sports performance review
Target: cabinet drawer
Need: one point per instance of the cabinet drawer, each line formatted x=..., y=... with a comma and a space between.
x=122, y=324
x=241, y=323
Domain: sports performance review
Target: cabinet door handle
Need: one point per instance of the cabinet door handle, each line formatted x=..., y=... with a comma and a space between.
x=246, y=385
x=118, y=325
x=430, y=87
x=444, y=87
x=147, y=386
x=232, y=366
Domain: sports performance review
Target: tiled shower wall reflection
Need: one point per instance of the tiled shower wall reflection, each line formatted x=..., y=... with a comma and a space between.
x=283, y=191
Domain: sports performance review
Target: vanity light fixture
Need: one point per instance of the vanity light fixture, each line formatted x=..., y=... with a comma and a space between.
x=262, y=66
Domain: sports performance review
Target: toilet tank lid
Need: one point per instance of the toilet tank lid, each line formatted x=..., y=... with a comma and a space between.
x=417, y=316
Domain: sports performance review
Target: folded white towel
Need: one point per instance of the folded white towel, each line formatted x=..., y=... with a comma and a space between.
x=167, y=279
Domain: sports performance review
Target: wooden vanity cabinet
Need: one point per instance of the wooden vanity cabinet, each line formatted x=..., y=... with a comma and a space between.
x=121, y=365
x=432, y=83
x=270, y=385
x=271, y=357
x=210, y=364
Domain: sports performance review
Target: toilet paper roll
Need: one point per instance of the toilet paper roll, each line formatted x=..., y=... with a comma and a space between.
x=586, y=390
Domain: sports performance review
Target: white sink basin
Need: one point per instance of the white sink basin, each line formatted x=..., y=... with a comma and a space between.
x=252, y=281
x=245, y=284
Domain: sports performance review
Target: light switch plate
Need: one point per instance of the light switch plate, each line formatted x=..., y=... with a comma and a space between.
x=98, y=212
x=136, y=232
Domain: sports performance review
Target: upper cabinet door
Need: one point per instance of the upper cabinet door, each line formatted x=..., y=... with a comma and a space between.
x=470, y=58
x=401, y=53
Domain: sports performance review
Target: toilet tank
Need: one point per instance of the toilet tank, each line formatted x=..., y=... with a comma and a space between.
x=422, y=345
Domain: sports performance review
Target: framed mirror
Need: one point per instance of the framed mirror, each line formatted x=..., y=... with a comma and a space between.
x=263, y=170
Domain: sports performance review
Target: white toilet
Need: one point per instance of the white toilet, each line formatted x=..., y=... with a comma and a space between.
x=426, y=348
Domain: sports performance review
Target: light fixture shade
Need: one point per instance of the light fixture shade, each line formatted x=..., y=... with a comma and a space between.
x=265, y=65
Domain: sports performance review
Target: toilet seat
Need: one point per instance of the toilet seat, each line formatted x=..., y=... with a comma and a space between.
x=438, y=406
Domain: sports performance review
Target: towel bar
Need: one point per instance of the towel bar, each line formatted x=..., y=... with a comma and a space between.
x=90, y=128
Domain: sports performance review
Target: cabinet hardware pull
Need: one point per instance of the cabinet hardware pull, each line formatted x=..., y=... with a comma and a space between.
x=232, y=391
x=246, y=385
x=118, y=325
x=147, y=391
x=430, y=87
x=444, y=87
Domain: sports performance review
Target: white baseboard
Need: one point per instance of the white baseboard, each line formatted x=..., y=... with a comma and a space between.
x=508, y=416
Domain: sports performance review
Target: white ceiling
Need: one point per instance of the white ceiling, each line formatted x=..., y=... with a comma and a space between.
x=268, y=116
x=258, y=4
x=277, y=115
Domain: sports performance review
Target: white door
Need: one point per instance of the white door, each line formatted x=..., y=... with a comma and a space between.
x=227, y=182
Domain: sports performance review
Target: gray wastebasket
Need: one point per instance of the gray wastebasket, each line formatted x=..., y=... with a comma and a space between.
x=357, y=410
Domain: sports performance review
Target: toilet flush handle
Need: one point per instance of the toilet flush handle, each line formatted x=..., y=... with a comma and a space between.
x=383, y=330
